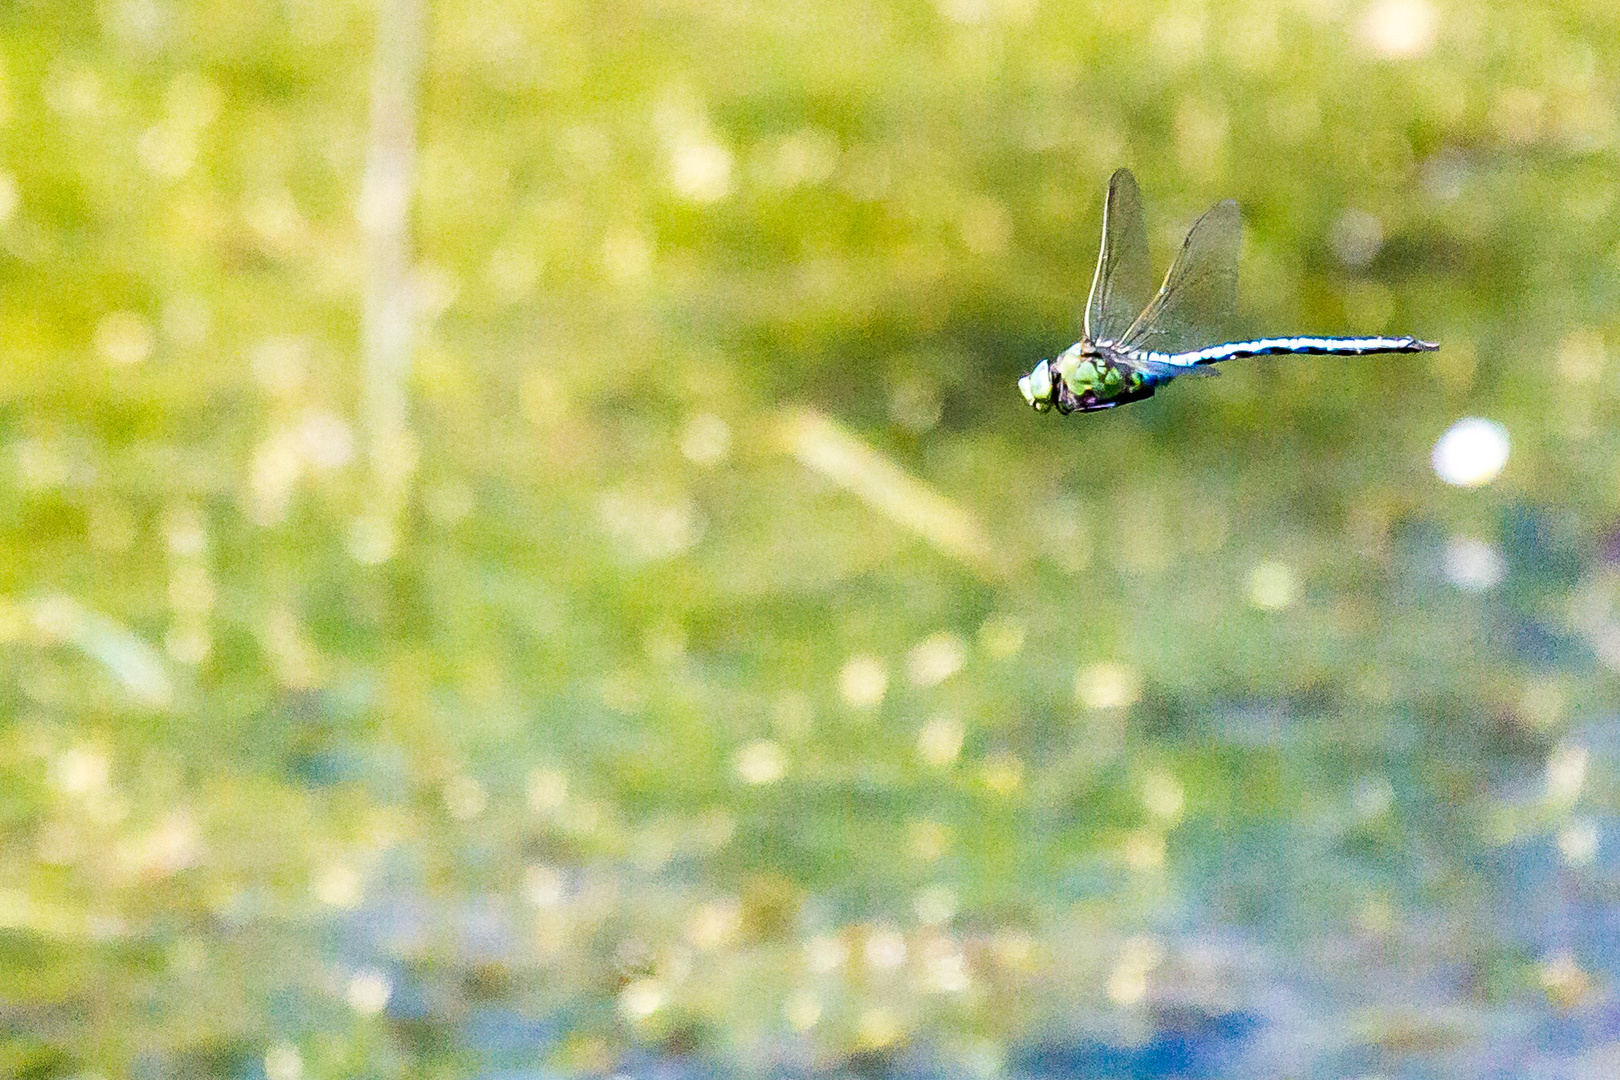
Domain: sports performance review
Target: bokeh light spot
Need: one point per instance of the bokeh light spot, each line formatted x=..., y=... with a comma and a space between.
x=1272, y=586
x=935, y=659
x=940, y=741
x=1566, y=773
x=10, y=196
x=626, y=255
x=464, y=797
x=915, y=404
x=283, y=1062
x=885, y=949
x=1542, y=703
x=928, y=839
x=706, y=439
x=547, y=790
x=808, y=156
x=543, y=885
x=80, y=770
x=512, y=272
x=1471, y=453
x=1578, y=842
x=1144, y=850
x=372, y=539
x=124, y=338
x=935, y=905
x=1564, y=981
x=1003, y=773
x=337, y=885
x=1128, y=981
x=327, y=441
x=280, y=365
x=825, y=953
x=945, y=969
x=1107, y=686
x=641, y=998
x=368, y=992
x=802, y=1010
x=879, y=1028
x=761, y=762
x=1357, y=237
x=1400, y=29
x=1163, y=796
x=646, y=527
x=1581, y=357
x=700, y=169
x=863, y=682
x=1473, y=565
x=714, y=924
x=1373, y=797
x=1001, y=636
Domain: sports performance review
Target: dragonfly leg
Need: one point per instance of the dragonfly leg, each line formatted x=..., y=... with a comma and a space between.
x=1088, y=402
x=1067, y=401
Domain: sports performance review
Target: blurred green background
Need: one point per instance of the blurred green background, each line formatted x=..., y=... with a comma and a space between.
x=523, y=555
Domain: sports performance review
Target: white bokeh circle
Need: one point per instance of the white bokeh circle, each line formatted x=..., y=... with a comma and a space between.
x=1471, y=453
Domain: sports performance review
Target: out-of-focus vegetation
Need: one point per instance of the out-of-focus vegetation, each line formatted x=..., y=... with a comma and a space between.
x=724, y=669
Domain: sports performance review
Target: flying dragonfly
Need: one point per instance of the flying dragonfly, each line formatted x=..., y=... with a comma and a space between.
x=1130, y=349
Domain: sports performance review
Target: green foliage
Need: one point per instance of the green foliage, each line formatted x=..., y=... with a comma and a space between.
x=648, y=713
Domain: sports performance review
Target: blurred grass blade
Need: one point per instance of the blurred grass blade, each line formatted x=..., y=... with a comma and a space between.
x=822, y=445
x=126, y=657
x=383, y=214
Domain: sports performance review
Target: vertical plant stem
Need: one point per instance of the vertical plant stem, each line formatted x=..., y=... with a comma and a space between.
x=388, y=329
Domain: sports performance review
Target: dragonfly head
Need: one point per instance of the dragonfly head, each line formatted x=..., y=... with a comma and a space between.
x=1038, y=387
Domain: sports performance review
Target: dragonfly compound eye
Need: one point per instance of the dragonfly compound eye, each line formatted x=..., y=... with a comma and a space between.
x=1037, y=385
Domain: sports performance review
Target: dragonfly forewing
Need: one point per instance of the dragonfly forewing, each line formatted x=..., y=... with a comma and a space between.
x=1124, y=277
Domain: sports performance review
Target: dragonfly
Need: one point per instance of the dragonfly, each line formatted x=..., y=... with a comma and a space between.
x=1132, y=348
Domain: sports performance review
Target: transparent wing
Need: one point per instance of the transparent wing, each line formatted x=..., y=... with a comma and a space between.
x=1199, y=293
x=1124, y=277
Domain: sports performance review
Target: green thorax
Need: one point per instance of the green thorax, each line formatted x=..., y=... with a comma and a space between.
x=1084, y=367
